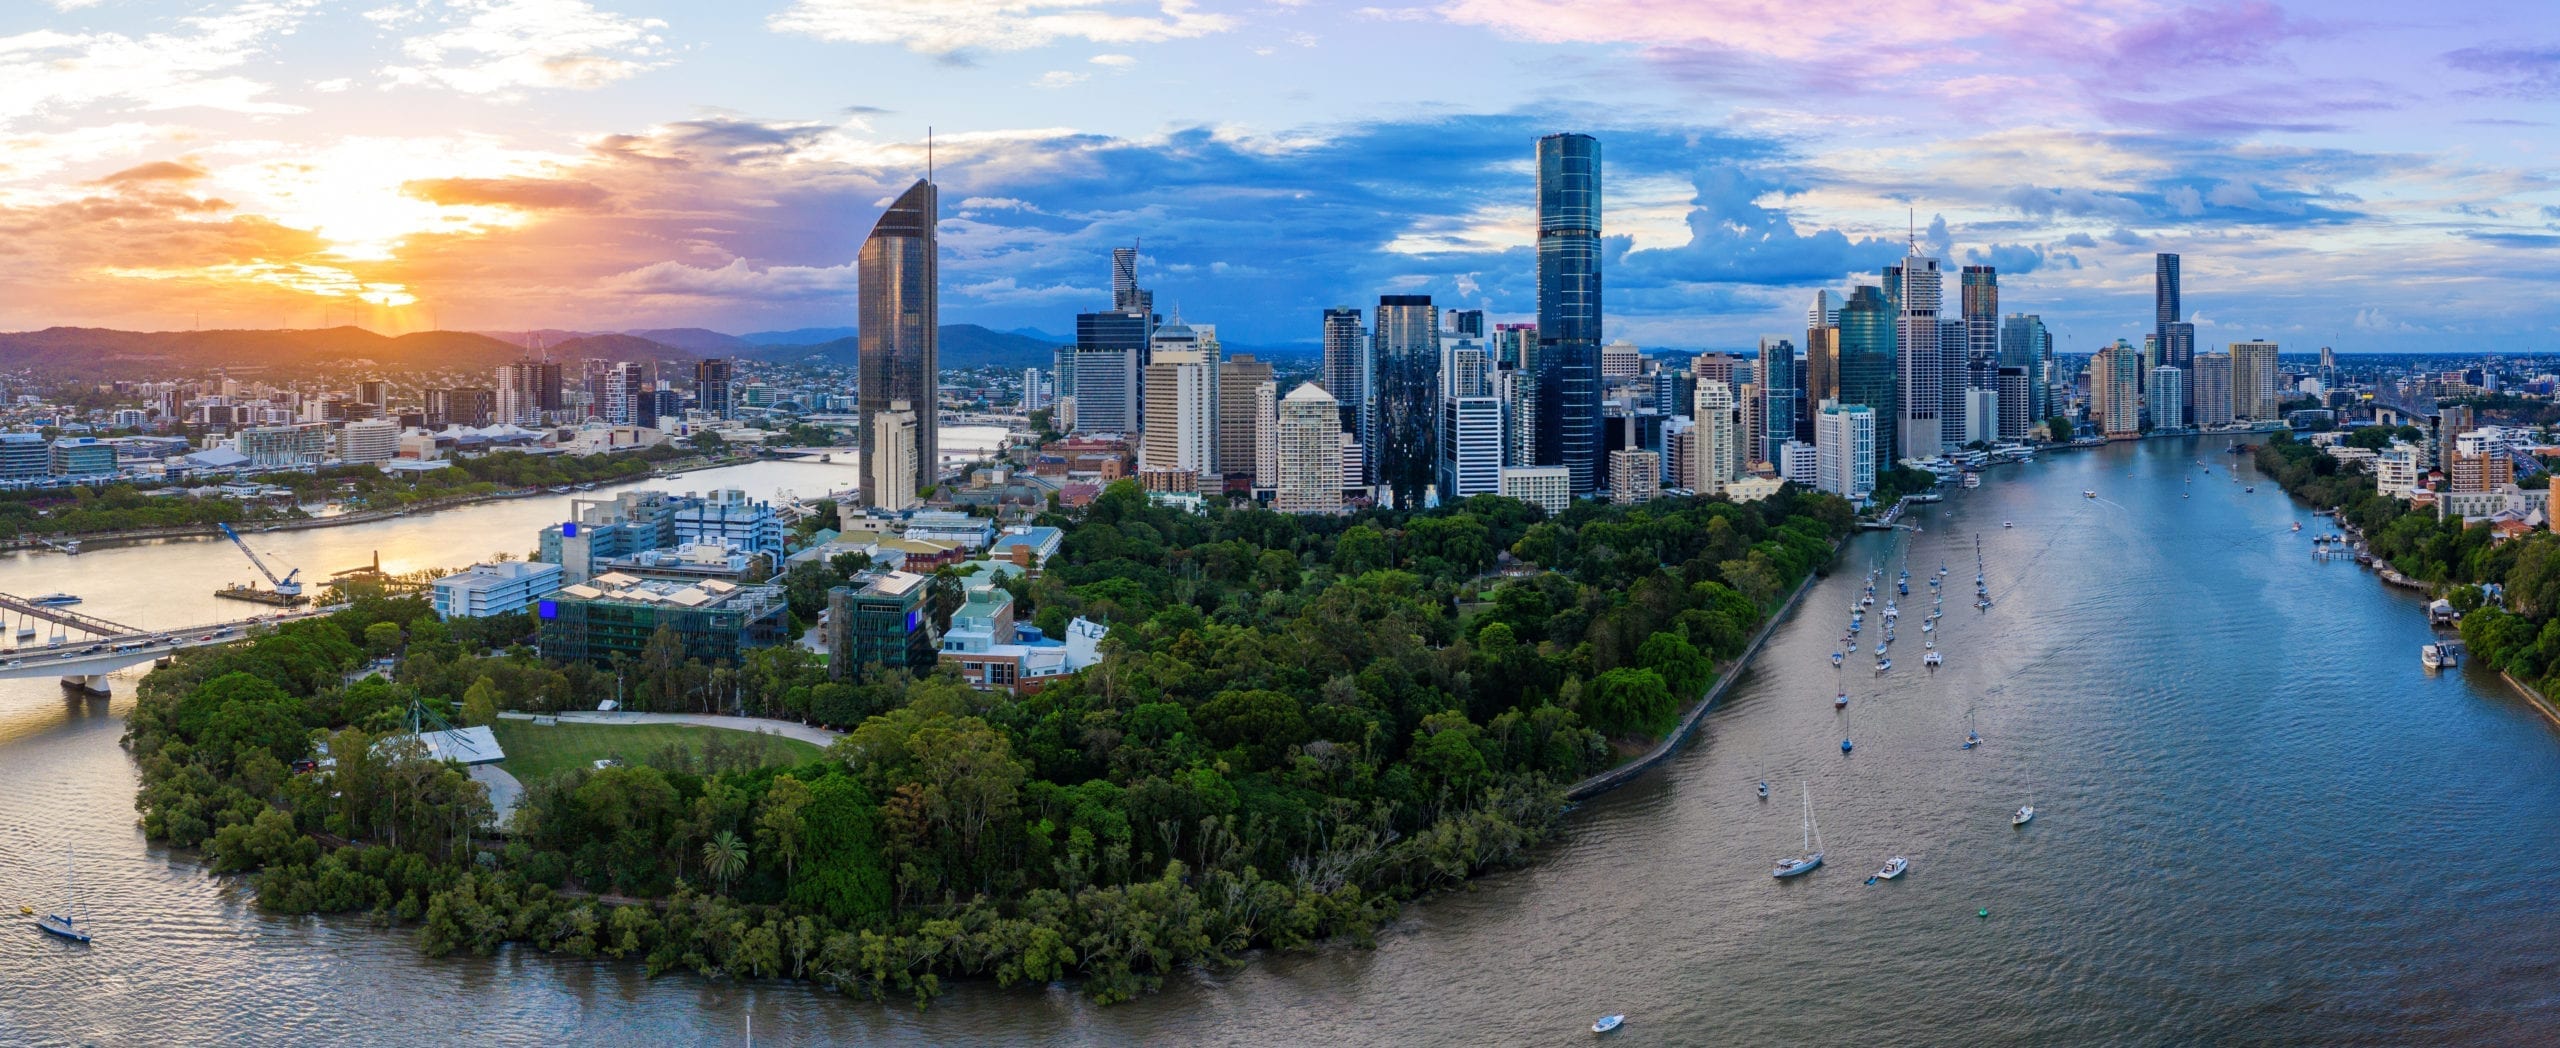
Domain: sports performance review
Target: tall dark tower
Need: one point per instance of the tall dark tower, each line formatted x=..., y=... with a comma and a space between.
x=1568, y=373
x=1405, y=350
x=899, y=339
x=2170, y=330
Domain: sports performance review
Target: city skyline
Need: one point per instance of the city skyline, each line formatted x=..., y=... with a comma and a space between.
x=508, y=164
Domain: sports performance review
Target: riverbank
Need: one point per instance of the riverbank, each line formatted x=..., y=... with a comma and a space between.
x=1625, y=773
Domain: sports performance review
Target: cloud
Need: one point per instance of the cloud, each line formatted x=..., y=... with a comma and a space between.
x=47, y=72
x=1113, y=61
x=2526, y=72
x=946, y=27
x=1057, y=78
x=532, y=194
x=502, y=47
x=155, y=171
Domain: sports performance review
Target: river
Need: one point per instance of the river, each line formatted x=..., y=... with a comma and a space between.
x=2260, y=820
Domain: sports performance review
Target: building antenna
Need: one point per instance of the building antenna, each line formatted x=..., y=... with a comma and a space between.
x=1911, y=229
x=928, y=152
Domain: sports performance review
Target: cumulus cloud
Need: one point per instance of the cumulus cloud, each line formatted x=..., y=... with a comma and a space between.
x=155, y=171
x=944, y=27
x=49, y=72
x=501, y=48
x=533, y=194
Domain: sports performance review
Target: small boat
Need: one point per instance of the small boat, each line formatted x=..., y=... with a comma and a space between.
x=1844, y=746
x=1893, y=868
x=2088, y=494
x=1883, y=665
x=1880, y=646
x=2025, y=813
x=1932, y=660
x=56, y=600
x=2297, y=525
x=1607, y=1023
x=65, y=925
x=1972, y=739
x=1835, y=658
x=1928, y=626
x=2251, y=488
x=1764, y=789
x=1840, y=701
x=1812, y=856
x=2436, y=656
x=2006, y=524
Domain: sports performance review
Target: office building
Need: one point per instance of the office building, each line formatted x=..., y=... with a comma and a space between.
x=623, y=383
x=1549, y=488
x=1844, y=448
x=1126, y=295
x=2026, y=344
x=1470, y=447
x=528, y=392
x=1870, y=377
x=1954, y=377
x=494, y=589
x=2167, y=397
x=1515, y=346
x=1780, y=395
x=2254, y=394
x=1981, y=415
x=1621, y=360
x=2017, y=419
x=727, y=517
x=713, y=620
x=24, y=456
x=1820, y=375
x=1180, y=431
x=1635, y=476
x=889, y=473
x=1347, y=372
x=82, y=457
x=1913, y=288
x=1569, y=308
x=281, y=447
x=1979, y=300
x=1719, y=439
x=1105, y=364
x=898, y=347
x=1799, y=463
x=881, y=621
x=1404, y=350
x=1240, y=420
x=1309, y=452
x=711, y=381
x=2213, y=389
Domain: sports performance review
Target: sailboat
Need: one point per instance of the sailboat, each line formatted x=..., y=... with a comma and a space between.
x=1812, y=856
x=65, y=925
x=1972, y=738
x=2026, y=812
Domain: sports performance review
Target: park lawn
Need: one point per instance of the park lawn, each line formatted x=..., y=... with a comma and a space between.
x=536, y=752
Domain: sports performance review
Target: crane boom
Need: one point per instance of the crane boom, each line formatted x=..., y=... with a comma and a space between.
x=285, y=585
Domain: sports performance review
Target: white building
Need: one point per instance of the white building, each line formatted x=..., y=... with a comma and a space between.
x=1470, y=446
x=1981, y=416
x=2168, y=397
x=1266, y=434
x=1181, y=428
x=1797, y=463
x=1844, y=443
x=1547, y=487
x=495, y=589
x=891, y=484
x=2397, y=470
x=370, y=441
x=1310, y=452
x=277, y=447
x=1621, y=359
x=1719, y=438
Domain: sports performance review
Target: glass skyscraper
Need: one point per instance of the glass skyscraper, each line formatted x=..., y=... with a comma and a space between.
x=1780, y=394
x=2023, y=341
x=1870, y=375
x=1568, y=365
x=1405, y=351
x=899, y=338
x=1346, y=373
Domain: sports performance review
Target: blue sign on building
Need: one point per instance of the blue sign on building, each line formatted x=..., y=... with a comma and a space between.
x=549, y=609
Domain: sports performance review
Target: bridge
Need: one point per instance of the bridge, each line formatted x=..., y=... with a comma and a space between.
x=87, y=647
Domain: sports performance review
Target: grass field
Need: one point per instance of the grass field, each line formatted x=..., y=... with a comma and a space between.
x=537, y=751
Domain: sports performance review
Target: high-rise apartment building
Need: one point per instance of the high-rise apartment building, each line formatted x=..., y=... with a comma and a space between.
x=2254, y=395
x=1470, y=446
x=2116, y=381
x=1568, y=364
x=1635, y=476
x=1844, y=450
x=1404, y=348
x=1869, y=374
x=1346, y=370
x=1719, y=439
x=711, y=381
x=898, y=338
x=464, y=406
x=1180, y=429
x=2167, y=397
x=1309, y=452
x=1821, y=378
x=2166, y=305
x=624, y=382
x=2017, y=403
x=529, y=390
x=889, y=474
x=1266, y=433
x=1780, y=395
x=2213, y=389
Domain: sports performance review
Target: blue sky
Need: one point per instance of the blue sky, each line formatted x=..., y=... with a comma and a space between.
x=2352, y=174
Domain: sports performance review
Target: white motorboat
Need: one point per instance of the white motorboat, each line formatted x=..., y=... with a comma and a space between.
x=1893, y=868
x=1812, y=857
x=1607, y=1023
x=1932, y=660
x=2024, y=814
x=1840, y=701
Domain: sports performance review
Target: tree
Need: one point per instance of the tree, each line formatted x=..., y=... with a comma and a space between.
x=2370, y=438
x=724, y=857
x=2059, y=429
x=848, y=882
x=780, y=825
x=480, y=703
x=1629, y=702
x=382, y=639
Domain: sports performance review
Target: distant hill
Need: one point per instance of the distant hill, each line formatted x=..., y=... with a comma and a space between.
x=963, y=346
x=796, y=336
x=702, y=341
x=617, y=347
x=103, y=350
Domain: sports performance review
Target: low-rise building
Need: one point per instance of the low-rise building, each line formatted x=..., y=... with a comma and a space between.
x=884, y=619
x=495, y=589
x=715, y=621
x=83, y=457
x=1547, y=487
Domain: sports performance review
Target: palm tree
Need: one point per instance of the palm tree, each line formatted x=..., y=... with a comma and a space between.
x=724, y=857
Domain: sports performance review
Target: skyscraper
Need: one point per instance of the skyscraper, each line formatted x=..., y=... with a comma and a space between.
x=1846, y=456
x=2115, y=379
x=1779, y=395
x=2023, y=342
x=1719, y=439
x=2166, y=309
x=899, y=331
x=2017, y=403
x=1309, y=453
x=1107, y=350
x=1569, y=312
x=1239, y=420
x=1954, y=380
x=1346, y=370
x=623, y=385
x=1126, y=295
x=2167, y=397
x=1869, y=374
x=2213, y=389
x=1405, y=351
x=2254, y=395
x=889, y=475
x=711, y=379
x=1981, y=305
x=1914, y=288
x=1470, y=446
x=1180, y=426
x=1821, y=378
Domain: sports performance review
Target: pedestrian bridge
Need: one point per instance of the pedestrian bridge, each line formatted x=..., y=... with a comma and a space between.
x=86, y=648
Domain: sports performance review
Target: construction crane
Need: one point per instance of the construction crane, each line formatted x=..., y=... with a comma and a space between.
x=287, y=591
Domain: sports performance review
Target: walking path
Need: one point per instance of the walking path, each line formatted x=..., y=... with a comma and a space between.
x=504, y=792
x=811, y=734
